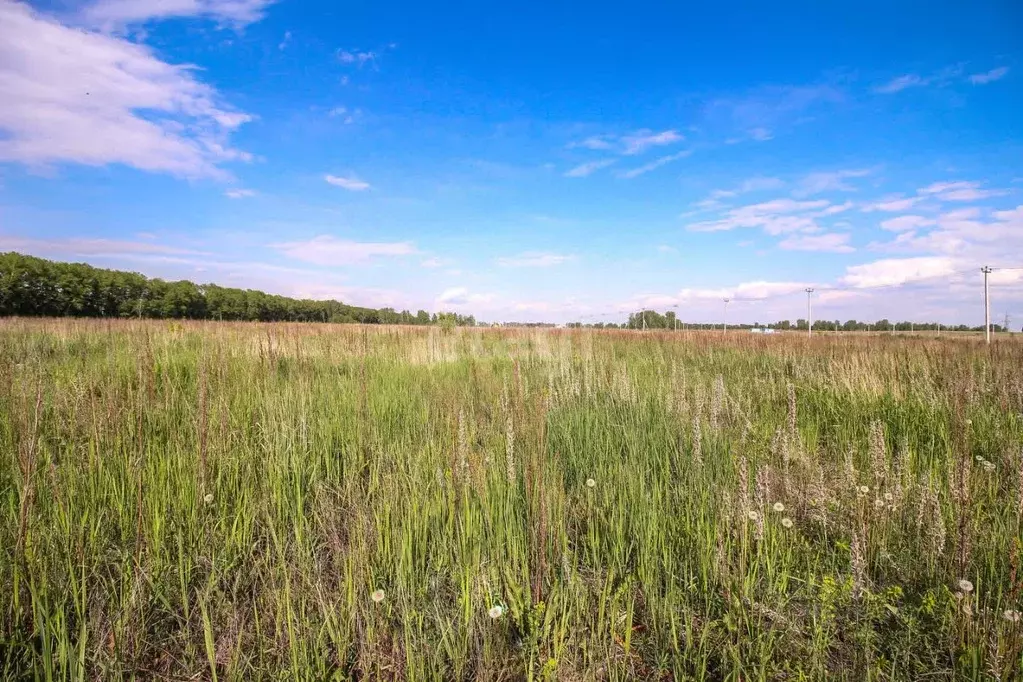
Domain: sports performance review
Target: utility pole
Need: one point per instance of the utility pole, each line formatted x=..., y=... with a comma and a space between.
x=724, y=325
x=987, y=306
x=644, y=320
x=809, y=312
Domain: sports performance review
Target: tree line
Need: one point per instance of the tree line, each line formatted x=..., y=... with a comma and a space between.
x=33, y=286
x=651, y=319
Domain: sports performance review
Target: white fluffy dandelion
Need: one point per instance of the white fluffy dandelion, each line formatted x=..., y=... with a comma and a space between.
x=377, y=596
x=864, y=489
x=590, y=483
x=787, y=522
x=1011, y=615
x=965, y=585
x=753, y=516
x=888, y=497
x=779, y=507
x=879, y=503
x=495, y=611
x=208, y=499
x=988, y=466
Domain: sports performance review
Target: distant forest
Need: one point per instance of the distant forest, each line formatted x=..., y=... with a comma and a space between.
x=31, y=286
x=37, y=287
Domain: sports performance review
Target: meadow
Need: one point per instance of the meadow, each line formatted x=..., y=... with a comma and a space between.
x=245, y=501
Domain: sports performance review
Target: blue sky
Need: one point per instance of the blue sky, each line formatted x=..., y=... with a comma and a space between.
x=534, y=161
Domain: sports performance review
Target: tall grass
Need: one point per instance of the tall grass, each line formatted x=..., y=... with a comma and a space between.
x=221, y=501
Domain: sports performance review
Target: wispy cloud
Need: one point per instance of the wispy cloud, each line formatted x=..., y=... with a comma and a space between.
x=534, y=259
x=900, y=83
x=641, y=140
x=112, y=14
x=85, y=246
x=350, y=183
x=904, y=223
x=436, y=262
x=989, y=76
x=239, y=193
x=892, y=204
x=461, y=296
x=284, y=41
x=832, y=242
x=832, y=181
x=629, y=144
x=585, y=169
x=329, y=250
x=895, y=271
x=655, y=164
x=778, y=216
x=76, y=96
x=959, y=191
x=356, y=56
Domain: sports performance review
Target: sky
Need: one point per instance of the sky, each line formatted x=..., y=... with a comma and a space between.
x=528, y=161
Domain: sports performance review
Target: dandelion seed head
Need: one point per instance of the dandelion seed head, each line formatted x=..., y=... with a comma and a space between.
x=753, y=516
x=779, y=507
x=978, y=458
x=864, y=489
x=495, y=611
x=878, y=503
x=965, y=585
x=208, y=499
x=988, y=466
x=590, y=483
x=1011, y=615
x=888, y=497
x=787, y=522
x=377, y=596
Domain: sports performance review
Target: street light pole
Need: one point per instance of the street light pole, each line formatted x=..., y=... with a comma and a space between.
x=724, y=326
x=809, y=312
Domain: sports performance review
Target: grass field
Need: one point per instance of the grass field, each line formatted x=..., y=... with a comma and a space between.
x=312, y=502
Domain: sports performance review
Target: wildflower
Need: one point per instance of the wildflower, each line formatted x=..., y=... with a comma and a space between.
x=590, y=483
x=878, y=503
x=208, y=499
x=864, y=489
x=965, y=585
x=787, y=522
x=1011, y=615
x=779, y=507
x=377, y=596
x=495, y=611
x=753, y=516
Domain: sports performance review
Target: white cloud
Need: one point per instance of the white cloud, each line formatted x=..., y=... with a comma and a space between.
x=833, y=242
x=595, y=142
x=284, y=41
x=900, y=83
x=534, y=259
x=641, y=140
x=112, y=14
x=834, y=181
x=895, y=271
x=778, y=216
x=761, y=134
x=239, y=193
x=461, y=296
x=585, y=169
x=86, y=246
x=892, y=204
x=328, y=250
x=360, y=57
x=436, y=262
x=664, y=248
x=352, y=184
x=959, y=191
x=71, y=95
x=989, y=76
x=905, y=222
x=630, y=144
x=835, y=209
x=655, y=164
